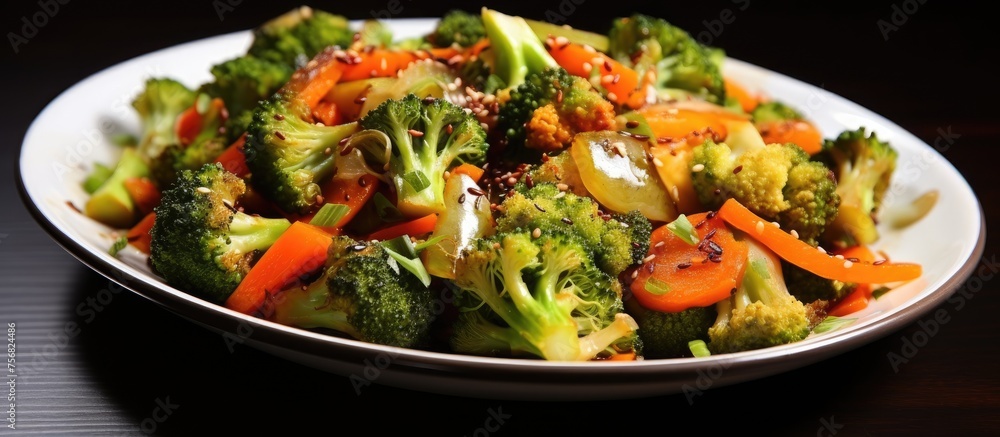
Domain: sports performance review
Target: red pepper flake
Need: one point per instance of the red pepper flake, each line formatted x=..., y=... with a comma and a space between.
x=738, y=169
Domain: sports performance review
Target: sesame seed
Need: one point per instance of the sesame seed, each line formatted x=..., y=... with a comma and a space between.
x=360, y=100
x=327, y=151
x=566, y=220
x=738, y=169
x=560, y=195
x=363, y=182
x=697, y=168
x=280, y=135
x=839, y=256
x=760, y=227
x=848, y=264
x=587, y=67
x=536, y=233
x=461, y=198
x=279, y=117
x=607, y=65
x=475, y=191
x=820, y=249
x=613, y=97
x=878, y=262
x=795, y=233
x=561, y=41
x=562, y=187
x=675, y=194
x=657, y=162
x=539, y=208
x=496, y=245
x=683, y=266
x=649, y=258
x=632, y=124
x=203, y=190
x=415, y=133
x=776, y=224
x=659, y=245
x=635, y=274
x=511, y=181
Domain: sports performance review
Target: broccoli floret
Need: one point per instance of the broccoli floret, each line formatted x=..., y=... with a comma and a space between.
x=611, y=242
x=809, y=287
x=549, y=107
x=288, y=155
x=373, y=33
x=428, y=136
x=666, y=335
x=519, y=52
x=363, y=293
x=545, y=298
x=774, y=111
x=678, y=61
x=776, y=181
x=111, y=203
x=863, y=165
x=294, y=37
x=159, y=104
x=200, y=242
x=194, y=148
x=242, y=83
x=458, y=27
x=762, y=313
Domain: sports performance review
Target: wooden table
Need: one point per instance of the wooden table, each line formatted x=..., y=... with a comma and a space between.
x=127, y=366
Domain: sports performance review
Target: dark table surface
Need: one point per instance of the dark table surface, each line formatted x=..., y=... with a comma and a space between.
x=922, y=64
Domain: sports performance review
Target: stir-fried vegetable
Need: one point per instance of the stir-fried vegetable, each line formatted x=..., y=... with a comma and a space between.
x=573, y=196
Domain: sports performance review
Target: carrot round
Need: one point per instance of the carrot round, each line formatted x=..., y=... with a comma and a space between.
x=138, y=236
x=188, y=125
x=803, y=133
x=680, y=275
x=800, y=253
x=620, y=81
x=415, y=227
x=328, y=113
x=299, y=251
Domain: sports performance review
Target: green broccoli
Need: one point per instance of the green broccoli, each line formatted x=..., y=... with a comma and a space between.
x=679, y=62
x=774, y=111
x=762, y=313
x=363, y=293
x=776, y=181
x=242, y=83
x=289, y=155
x=809, y=287
x=519, y=52
x=200, y=242
x=666, y=335
x=615, y=243
x=549, y=107
x=863, y=165
x=545, y=298
x=428, y=136
x=373, y=33
x=294, y=37
x=200, y=148
x=458, y=27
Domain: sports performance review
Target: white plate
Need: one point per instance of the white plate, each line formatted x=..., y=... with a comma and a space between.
x=71, y=133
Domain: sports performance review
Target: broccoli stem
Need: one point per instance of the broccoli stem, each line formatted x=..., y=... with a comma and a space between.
x=313, y=307
x=248, y=233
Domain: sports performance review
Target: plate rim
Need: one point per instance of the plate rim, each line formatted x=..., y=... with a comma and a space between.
x=413, y=362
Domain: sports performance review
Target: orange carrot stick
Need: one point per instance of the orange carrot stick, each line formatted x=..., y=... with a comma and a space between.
x=299, y=251
x=138, y=236
x=810, y=258
x=413, y=228
x=621, y=82
x=144, y=193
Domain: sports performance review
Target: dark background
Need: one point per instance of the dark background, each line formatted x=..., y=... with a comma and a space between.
x=930, y=74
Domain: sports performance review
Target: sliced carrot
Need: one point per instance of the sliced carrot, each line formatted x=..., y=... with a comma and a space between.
x=675, y=124
x=621, y=82
x=803, y=133
x=299, y=251
x=471, y=170
x=353, y=192
x=855, y=301
x=680, y=275
x=380, y=62
x=413, y=228
x=742, y=95
x=810, y=258
x=858, y=299
x=232, y=158
x=188, y=125
x=138, y=236
x=327, y=113
x=144, y=193
x=314, y=80
x=624, y=356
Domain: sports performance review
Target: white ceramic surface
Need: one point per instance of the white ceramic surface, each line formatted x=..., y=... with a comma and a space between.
x=73, y=132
